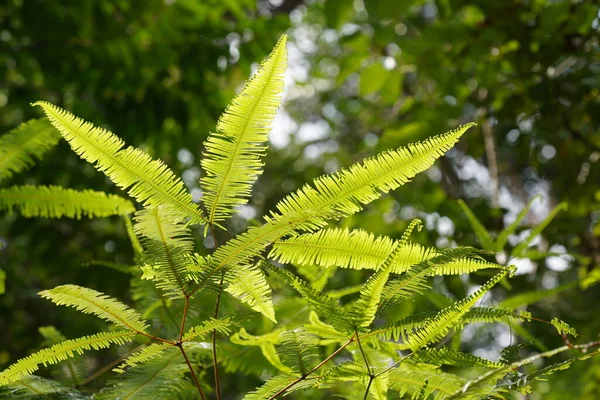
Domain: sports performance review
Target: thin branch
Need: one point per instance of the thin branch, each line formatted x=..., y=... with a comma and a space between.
x=185, y=312
x=194, y=377
x=371, y=377
x=304, y=376
x=214, y=341
x=363, y=354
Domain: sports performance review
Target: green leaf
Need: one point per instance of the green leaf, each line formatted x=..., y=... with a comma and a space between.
x=233, y=156
x=61, y=352
x=89, y=301
x=21, y=146
x=57, y=202
x=149, y=181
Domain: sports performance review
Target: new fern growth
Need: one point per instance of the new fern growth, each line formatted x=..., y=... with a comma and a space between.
x=186, y=341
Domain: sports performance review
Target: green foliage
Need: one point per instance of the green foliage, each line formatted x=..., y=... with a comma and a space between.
x=20, y=147
x=362, y=338
x=58, y=202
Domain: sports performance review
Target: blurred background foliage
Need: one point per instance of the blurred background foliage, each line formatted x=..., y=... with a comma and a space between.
x=363, y=76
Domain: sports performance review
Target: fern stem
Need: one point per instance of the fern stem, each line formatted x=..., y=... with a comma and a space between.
x=363, y=355
x=185, y=311
x=394, y=365
x=194, y=376
x=304, y=376
x=214, y=340
x=371, y=377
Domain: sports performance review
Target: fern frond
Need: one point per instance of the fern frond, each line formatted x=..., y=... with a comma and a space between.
x=57, y=202
x=394, y=331
x=168, y=246
x=266, y=343
x=509, y=230
x=521, y=247
x=72, y=371
x=161, y=378
x=21, y=146
x=220, y=325
x=438, y=384
x=326, y=332
x=326, y=306
x=448, y=356
x=2, y=281
x=298, y=350
x=248, y=284
x=275, y=384
x=33, y=387
x=484, y=237
x=493, y=314
x=140, y=357
x=338, y=195
x=233, y=155
x=415, y=279
x=90, y=301
x=343, y=193
x=562, y=327
x=365, y=308
x=149, y=181
x=61, y=352
x=440, y=325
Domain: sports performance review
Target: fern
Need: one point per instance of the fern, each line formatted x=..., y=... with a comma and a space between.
x=149, y=181
x=521, y=247
x=33, y=387
x=483, y=235
x=167, y=247
x=233, y=156
x=161, y=378
x=90, y=301
x=20, y=147
x=57, y=202
x=61, y=352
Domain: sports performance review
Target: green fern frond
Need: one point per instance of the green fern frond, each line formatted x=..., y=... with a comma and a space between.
x=149, y=181
x=33, y=387
x=437, y=384
x=440, y=325
x=73, y=371
x=248, y=284
x=161, y=378
x=325, y=306
x=222, y=325
x=140, y=357
x=521, y=247
x=448, y=356
x=61, y=352
x=275, y=384
x=168, y=246
x=326, y=332
x=90, y=301
x=343, y=193
x=562, y=327
x=365, y=308
x=57, y=202
x=509, y=230
x=415, y=279
x=484, y=237
x=21, y=146
x=266, y=343
x=493, y=314
x=298, y=350
x=338, y=195
x=394, y=331
x=355, y=249
x=233, y=155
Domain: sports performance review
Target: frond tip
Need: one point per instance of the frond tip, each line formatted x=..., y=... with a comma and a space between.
x=232, y=159
x=90, y=301
x=57, y=202
x=61, y=352
x=149, y=181
x=21, y=146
